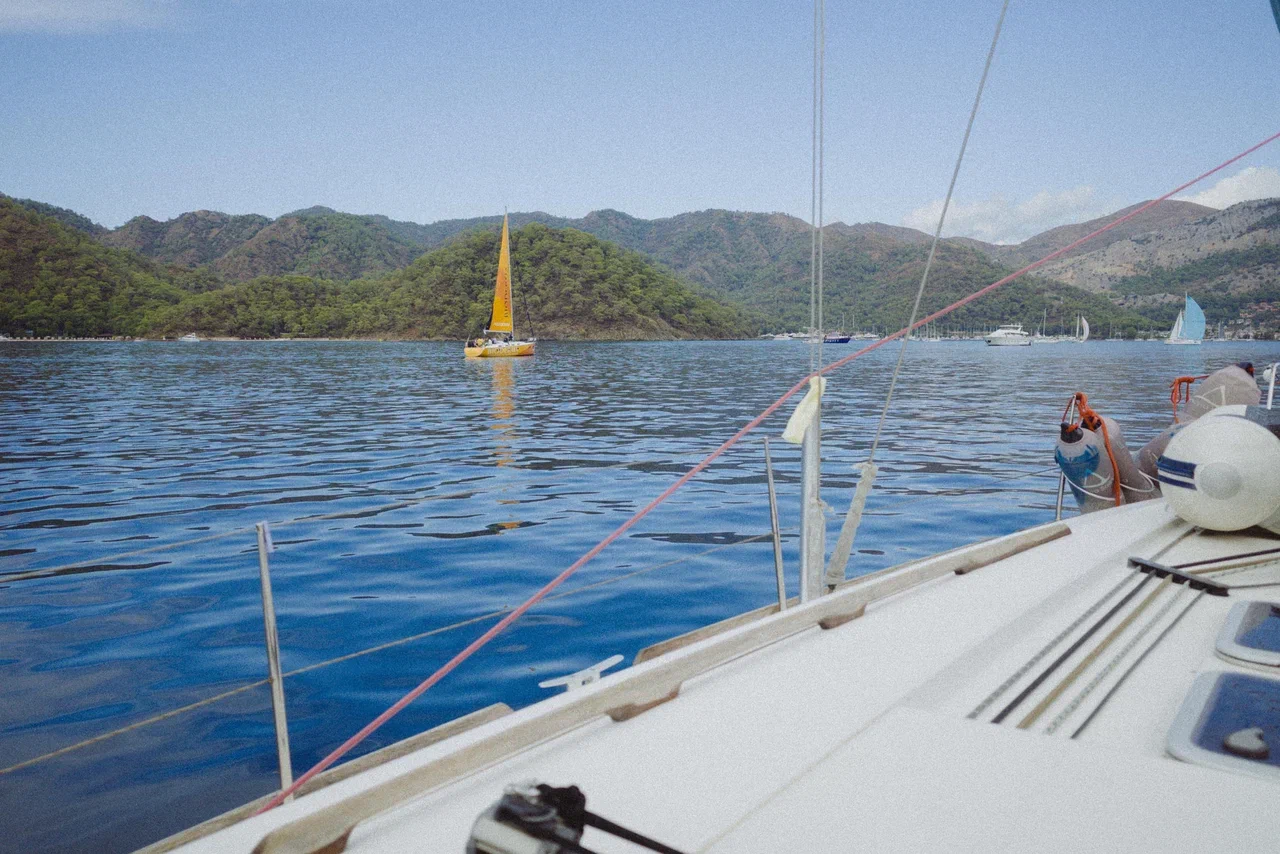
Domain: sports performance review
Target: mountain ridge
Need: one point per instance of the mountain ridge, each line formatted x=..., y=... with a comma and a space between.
x=56, y=280
x=760, y=261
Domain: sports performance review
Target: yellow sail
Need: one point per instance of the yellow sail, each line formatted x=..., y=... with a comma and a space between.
x=500, y=337
x=500, y=321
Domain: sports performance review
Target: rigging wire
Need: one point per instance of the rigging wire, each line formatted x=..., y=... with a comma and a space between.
x=813, y=199
x=853, y=519
x=818, y=332
x=937, y=233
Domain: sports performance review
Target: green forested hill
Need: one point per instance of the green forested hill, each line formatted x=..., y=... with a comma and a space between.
x=316, y=242
x=568, y=285
x=192, y=239
x=761, y=262
x=67, y=217
x=322, y=245
x=57, y=281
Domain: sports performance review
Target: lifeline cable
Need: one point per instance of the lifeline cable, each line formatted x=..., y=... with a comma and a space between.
x=492, y=615
x=248, y=686
x=462, y=656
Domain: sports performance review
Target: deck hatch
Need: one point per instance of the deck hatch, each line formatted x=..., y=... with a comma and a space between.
x=1235, y=709
x=1251, y=634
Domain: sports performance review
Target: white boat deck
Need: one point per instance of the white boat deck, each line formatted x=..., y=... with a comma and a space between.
x=863, y=736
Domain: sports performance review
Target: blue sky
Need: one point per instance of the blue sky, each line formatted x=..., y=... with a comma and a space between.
x=426, y=111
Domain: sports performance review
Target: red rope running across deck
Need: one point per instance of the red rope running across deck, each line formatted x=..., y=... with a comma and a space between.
x=506, y=621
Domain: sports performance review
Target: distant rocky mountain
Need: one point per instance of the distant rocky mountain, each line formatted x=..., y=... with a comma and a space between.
x=1228, y=260
x=1209, y=232
x=722, y=250
x=1162, y=217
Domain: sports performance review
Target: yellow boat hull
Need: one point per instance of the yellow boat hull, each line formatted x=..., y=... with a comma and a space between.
x=506, y=348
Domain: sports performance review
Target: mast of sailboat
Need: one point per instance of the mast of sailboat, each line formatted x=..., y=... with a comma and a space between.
x=813, y=525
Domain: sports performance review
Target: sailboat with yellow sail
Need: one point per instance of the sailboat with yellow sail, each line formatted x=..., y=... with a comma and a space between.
x=499, y=338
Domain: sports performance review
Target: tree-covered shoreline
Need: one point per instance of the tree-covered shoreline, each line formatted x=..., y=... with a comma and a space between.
x=56, y=280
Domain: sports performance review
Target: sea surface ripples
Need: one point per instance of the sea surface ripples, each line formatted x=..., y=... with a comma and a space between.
x=449, y=489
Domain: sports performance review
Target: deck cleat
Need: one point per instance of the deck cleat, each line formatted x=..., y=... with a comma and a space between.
x=583, y=677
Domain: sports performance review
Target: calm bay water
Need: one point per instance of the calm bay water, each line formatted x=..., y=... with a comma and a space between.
x=502, y=473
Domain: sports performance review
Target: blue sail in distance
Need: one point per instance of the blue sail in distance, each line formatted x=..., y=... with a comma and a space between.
x=1193, y=321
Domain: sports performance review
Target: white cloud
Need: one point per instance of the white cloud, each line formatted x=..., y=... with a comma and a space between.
x=1001, y=220
x=1253, y=182
x=75, y=16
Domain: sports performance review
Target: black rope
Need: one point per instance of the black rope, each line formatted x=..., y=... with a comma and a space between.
x=571, y=804
x=630, y=835
x=538, y=831
x=1240, y=556
x=1132, y=667
x=1039, y=680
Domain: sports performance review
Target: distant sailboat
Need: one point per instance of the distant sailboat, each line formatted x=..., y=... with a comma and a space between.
x=499, y=338
x=1189, y=327
x=1082, y=329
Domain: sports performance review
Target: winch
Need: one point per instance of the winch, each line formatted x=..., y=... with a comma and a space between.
x=534, y=818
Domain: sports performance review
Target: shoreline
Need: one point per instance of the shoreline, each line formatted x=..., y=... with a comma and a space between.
x=458, y=341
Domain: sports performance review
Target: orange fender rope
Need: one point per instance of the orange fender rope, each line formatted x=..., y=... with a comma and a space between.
x=1091, y=420
x=1180, y=391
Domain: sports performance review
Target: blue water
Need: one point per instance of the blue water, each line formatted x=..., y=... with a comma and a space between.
x=512, y=470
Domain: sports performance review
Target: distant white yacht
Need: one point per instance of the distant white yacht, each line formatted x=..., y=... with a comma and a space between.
x=1009, y=335
x=1082, y=330
x=189, y=337
x=1189, y=327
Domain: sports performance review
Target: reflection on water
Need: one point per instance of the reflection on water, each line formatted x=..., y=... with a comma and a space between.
x=459, y=487
x=504, y=408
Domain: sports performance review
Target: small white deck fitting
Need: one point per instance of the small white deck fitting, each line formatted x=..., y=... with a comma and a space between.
x=583, y=677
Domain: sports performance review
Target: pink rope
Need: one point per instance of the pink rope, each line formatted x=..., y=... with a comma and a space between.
x=506, y=621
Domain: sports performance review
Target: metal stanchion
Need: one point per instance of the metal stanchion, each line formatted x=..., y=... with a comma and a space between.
x=773, y=520
x=273, y=658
